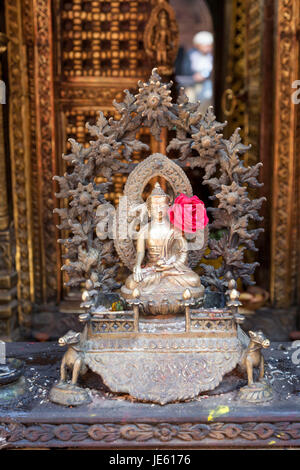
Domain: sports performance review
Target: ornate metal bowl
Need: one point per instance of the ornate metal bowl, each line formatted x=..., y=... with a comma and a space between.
x=11, y=371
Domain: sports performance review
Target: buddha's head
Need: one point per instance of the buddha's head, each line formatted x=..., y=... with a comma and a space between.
x=158, y=203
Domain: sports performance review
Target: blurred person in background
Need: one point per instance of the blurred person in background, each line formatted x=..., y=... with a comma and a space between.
x=196, y=70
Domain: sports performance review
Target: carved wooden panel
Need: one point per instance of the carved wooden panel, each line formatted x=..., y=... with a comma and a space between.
x=20, y=157
x=254, y=34
x=102, y=38
x=235, y=80
x=149, y=434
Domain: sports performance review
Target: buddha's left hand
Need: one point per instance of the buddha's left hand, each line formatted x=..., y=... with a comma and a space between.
x=163, y=266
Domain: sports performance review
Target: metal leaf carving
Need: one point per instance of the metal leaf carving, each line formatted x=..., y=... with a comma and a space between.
x=199, y=143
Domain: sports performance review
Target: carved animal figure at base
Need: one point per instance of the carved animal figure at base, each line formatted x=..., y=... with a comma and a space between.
x=252, y=356
x=72, y=359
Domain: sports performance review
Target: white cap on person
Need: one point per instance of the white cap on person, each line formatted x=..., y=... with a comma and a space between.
x=203, y=38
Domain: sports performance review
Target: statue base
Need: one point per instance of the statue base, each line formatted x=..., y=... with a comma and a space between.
x=258, y=392
x=160, y=360
x=65, y=393
x=215, y=421
x=164, y=301
x=167, y=375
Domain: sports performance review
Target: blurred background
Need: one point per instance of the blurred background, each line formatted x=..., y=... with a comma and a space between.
x=61, y=61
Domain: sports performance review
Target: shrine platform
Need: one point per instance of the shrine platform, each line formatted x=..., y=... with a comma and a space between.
x=115, y=421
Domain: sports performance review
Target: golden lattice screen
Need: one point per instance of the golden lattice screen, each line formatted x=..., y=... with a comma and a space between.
x=102, y=39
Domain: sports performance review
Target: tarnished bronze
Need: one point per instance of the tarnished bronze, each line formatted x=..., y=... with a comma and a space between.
x=166, y=275
x=167, y=357
x=252, y=357
x=233, y=302
x=115, y=142
x=164, y=363
x=72, y=359
x=64, y=392
x=155, y=166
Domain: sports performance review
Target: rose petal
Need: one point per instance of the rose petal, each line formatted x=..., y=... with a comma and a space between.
x=188, y=214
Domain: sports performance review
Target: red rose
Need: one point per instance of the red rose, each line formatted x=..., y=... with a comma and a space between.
x=188, y=214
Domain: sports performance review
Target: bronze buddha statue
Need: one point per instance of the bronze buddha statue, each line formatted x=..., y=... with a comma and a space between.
x=165, y=276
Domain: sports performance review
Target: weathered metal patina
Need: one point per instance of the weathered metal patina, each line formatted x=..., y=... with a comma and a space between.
x=166, y=357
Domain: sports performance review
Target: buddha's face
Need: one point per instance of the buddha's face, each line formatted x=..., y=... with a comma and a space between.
x=158, y=209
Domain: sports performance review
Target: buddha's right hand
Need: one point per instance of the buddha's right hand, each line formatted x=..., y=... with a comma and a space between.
x=137, y=274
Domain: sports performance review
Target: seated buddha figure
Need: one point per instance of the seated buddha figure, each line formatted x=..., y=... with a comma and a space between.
x=165, y=275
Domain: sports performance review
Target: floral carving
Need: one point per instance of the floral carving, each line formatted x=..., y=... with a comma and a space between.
x=85, y=197
x=232, y=215
x=105, y=150
x=232, y=198
x=168, y=375
x=154, y=102
x=71, y=434
x=199, y=133
x=201, y=144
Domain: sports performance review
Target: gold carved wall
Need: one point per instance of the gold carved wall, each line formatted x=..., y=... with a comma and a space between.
x=263, y=62
x=19, y=140
x=233, y=99
x=285, y=198
x=8, y=274
x=241, y=100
